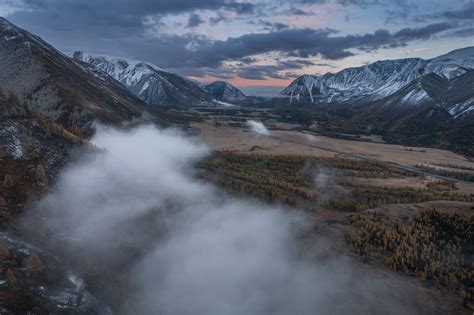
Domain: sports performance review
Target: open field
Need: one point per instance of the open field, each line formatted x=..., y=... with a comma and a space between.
x=294, y=142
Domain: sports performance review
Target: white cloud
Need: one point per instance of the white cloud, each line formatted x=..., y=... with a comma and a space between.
x=184, y=247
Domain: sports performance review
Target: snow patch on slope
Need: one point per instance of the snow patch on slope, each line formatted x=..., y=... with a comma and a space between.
x=415, y=96
x=12, y=144
x=463, y=108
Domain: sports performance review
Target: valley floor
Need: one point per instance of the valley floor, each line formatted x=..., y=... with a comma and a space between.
x=358, y=191
x=294, y=142
x=403, y=214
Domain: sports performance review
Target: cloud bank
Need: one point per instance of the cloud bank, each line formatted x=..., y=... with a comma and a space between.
x=183, y=35
x=180, y=246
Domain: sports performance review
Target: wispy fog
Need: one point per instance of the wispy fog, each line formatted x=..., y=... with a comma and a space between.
x=258, y=127
x=311, y=138
x=184, y=247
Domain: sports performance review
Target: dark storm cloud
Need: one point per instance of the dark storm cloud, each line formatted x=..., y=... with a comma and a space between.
x=466, y=32
x=241, y=7
x=118, y=27
x=270, y=26
x=175, y=52
x=309, y=1
x=311, y=42
x=401, y=11
x=422, y=32
x=466, y=13
x=295, y=64
x=248, y=60
x=295, y=11
x=325, y=64
x=194, y=20
x=263, y=73
x=245, y=69
x=143, y=7
x=397, y=11
x=360, y=3
x=111, y=17
x=217, y=19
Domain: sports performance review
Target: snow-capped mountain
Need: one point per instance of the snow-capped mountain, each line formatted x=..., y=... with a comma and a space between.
x=431, y=110
x=452, y=64
x=150, y=82
x=377, y=80
x=225, y=92
x=455, y=97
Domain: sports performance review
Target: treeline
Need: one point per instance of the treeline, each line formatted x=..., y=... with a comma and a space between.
x=272, y=179
x=432, y=246
x=294, y=180
x=456, y=166
x=465, y=176
x=365, y=197
x=11, y=107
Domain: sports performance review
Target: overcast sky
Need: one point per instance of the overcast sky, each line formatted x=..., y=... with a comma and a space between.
x=250, y=42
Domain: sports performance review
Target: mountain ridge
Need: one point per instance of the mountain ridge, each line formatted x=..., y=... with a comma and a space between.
x=376, y=80
x=149, y=82
x=54, y=85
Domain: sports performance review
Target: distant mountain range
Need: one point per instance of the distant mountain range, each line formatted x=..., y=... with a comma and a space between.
x=409, y=101
x=377, y=80
x=158, y=86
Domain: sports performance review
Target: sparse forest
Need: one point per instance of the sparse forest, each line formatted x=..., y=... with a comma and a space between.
x=459, y=173
x=312, y=182
x=433, y=246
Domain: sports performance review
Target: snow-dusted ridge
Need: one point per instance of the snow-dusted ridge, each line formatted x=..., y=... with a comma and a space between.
x=119, y=62
x=463, y=108
x=148, y=81
x=377, y=80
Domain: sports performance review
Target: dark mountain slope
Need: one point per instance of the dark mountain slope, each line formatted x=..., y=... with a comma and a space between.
x=225, y=92
x=431, y=111
x=54, y=85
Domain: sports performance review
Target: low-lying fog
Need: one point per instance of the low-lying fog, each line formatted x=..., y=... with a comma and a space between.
x=258, y=127
x=185, y=247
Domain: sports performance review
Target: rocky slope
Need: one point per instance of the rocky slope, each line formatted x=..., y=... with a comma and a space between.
x=48, y=105
x=444, y=116
x=149, y=82
x=52, y=84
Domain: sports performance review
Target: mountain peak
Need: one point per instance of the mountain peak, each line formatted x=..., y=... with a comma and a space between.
x=5, y=23
x=120, y=61
x=461, y=53
x=225, y=92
